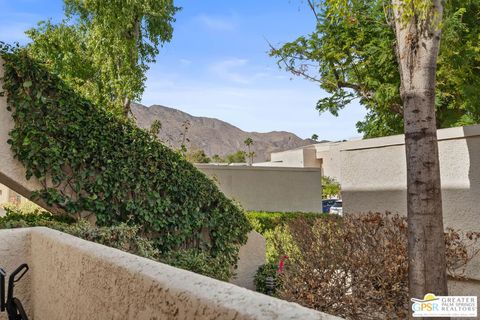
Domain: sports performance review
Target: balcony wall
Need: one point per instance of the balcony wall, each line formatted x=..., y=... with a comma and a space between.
x=71, y=278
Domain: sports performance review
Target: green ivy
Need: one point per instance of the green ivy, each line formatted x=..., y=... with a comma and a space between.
x=199, y=262
x=90, y=161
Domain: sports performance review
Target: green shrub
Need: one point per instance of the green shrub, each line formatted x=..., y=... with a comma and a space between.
x=197, y=156
x=263, y=272
x=89, y=160
x=23, y=207
x=279, y=243
x=16, y=218
x=263, y=221
x=237, y=157
x=124, y=237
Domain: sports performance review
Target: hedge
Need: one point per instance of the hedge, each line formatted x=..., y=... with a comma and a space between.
x=91, y=161
x=263, y=221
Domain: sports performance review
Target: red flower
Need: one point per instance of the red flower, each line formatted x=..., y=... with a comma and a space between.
x=281, y=263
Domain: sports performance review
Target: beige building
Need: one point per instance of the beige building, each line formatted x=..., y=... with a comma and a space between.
x=321, y=155
x=303, y=157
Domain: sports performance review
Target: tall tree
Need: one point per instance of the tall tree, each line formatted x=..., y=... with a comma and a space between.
x=250, y=154
x=418, y=31
x=353, y=57
x=414, y=39
x=103, y=48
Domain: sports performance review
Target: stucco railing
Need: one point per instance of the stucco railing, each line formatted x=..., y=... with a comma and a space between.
x=70, y=278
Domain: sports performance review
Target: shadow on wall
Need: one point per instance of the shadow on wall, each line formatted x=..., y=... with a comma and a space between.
x=380, y=186
x=473, y=145
x=471, y=214
x=460, y=169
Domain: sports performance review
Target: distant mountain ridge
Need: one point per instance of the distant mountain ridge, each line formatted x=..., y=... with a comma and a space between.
x=215, y=137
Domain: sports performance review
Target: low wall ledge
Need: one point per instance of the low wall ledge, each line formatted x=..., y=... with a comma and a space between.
x=110, y=283
x=398, y=140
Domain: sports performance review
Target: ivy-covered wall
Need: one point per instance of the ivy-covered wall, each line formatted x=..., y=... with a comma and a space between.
x=90, y=161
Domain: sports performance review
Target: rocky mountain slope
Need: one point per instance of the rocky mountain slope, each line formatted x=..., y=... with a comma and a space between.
x=214, y=136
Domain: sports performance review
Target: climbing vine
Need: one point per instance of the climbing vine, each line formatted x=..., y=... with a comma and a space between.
x=90, y=162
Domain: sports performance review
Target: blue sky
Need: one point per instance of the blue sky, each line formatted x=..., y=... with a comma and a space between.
x=217, y=64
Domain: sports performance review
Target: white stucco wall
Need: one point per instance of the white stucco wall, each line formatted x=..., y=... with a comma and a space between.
x=269, y=188
x=303, y=157
x=15, y=249
x=71, y=278
x=250, y=257
x=330, y=157
x=323, y=155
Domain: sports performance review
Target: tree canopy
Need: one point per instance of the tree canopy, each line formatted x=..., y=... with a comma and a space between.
x=352, y=56
x=197, y=156
x=330, y=187
x=236, y=157
x=102, y=48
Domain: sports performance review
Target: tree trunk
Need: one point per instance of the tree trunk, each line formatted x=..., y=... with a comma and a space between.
x=418, y=43
x=127, y=111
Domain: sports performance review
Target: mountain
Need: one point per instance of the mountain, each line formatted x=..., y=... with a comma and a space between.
x=212, y=135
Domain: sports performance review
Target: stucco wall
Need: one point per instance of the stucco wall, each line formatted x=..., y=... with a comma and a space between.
x=373, y=178
x=323, y=155
x=250, y=257
x=15, y=249
x=330, y=157
x=301, y=158
x=269, y=188
x=72, y=278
